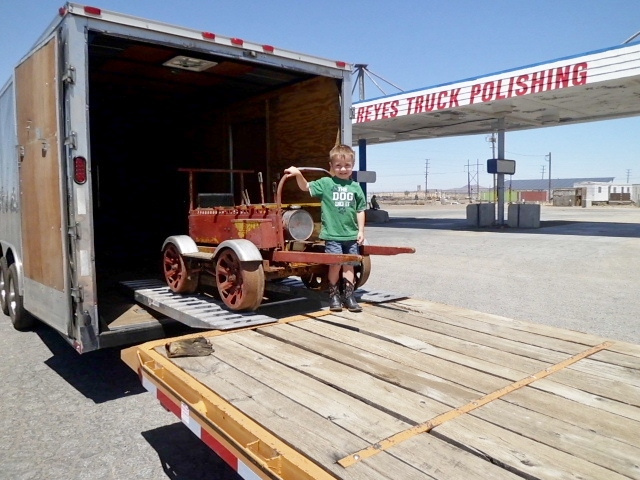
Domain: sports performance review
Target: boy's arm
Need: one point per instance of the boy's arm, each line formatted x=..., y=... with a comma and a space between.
x=360, y=217
x=300, y=180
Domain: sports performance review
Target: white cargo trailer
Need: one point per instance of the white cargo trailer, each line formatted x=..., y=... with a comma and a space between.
x=95, y=123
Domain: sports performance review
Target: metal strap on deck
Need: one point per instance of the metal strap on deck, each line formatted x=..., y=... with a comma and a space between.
x=194, y=310
x=452, y=414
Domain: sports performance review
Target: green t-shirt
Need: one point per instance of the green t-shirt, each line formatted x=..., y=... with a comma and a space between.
x=340, y=201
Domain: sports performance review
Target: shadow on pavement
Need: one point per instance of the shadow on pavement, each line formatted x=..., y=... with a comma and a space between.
x=100, y=376
x=549, y=227
x=185, y=457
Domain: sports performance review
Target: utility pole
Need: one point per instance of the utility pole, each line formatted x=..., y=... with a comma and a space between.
x=549, y=192
x=478, y=179
x=543, y=171
x=468, y=182
x=426, y=177
x=472, y=179
x=628, y=174
x=492, y=139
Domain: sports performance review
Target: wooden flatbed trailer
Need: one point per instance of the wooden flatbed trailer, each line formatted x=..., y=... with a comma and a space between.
x=407, y=390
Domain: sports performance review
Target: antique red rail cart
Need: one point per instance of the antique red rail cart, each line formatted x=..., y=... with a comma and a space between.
x=237, y=248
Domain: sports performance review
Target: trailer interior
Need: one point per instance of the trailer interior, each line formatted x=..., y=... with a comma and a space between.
x=154, y=109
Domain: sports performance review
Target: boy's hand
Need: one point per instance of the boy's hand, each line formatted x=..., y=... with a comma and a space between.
x=291, y=171
x=300, y=180
x=361, y=219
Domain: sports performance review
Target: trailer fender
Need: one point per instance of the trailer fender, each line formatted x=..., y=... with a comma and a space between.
x=184, y=243
x=246, y=250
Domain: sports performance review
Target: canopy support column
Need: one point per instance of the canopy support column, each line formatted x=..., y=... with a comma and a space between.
x=500, y=176
x=362, y=154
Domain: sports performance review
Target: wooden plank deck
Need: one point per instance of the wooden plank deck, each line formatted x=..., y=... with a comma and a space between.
x=336, y=385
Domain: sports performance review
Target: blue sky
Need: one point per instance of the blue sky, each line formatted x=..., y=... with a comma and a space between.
x=413, y=44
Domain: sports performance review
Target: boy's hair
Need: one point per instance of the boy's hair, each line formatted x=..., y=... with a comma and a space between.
x=342, y=152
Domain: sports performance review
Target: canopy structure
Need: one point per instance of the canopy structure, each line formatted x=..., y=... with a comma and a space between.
x=594, y=86
x=599, y=85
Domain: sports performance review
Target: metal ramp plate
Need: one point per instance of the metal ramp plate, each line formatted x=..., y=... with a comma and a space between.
x=195, y=310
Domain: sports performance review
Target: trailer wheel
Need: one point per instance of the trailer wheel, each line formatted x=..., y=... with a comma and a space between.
x=176, y=274
x=362, y=271
x=240, y=284
x=20, y=319
x=4, y=280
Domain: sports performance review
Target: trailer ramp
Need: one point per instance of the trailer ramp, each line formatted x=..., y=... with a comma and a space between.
x=194, y=310
x=205, y=312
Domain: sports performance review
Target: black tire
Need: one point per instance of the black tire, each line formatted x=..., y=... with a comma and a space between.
x=20, y=319
x=4, y=280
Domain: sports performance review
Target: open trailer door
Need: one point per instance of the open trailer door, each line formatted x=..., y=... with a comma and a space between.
x=42, y=189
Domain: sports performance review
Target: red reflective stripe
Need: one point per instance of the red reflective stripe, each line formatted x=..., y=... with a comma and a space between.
x=168, y=403
x=220, y=449
x=209, y=440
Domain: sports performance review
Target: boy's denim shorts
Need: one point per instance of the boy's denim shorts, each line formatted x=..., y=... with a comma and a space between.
x=349, y=247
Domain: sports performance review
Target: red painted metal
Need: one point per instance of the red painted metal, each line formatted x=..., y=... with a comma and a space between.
x=215, y=225
x=311, y=257
x=382, y=250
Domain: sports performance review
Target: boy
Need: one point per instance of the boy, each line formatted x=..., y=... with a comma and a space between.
x=343, y=204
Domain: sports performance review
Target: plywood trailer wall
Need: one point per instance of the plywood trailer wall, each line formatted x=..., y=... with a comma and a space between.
x=296, y=125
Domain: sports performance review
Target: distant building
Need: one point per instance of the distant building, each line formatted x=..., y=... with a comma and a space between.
x=538, y=190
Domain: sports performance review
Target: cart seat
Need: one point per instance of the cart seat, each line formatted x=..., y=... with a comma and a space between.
x=209, y=200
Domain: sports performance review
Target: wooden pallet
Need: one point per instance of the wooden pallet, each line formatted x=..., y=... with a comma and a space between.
x=413, y=389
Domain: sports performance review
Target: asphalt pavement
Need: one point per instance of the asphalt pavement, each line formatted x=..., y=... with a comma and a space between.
x=72, y=417
x=578, y=271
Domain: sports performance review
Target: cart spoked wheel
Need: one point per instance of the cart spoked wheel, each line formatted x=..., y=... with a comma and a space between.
x=362, y=271
x=176, y=273
x=316, y=280
x=240, y=284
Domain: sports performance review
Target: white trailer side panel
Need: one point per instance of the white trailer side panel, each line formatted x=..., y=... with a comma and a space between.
x=9, y=190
